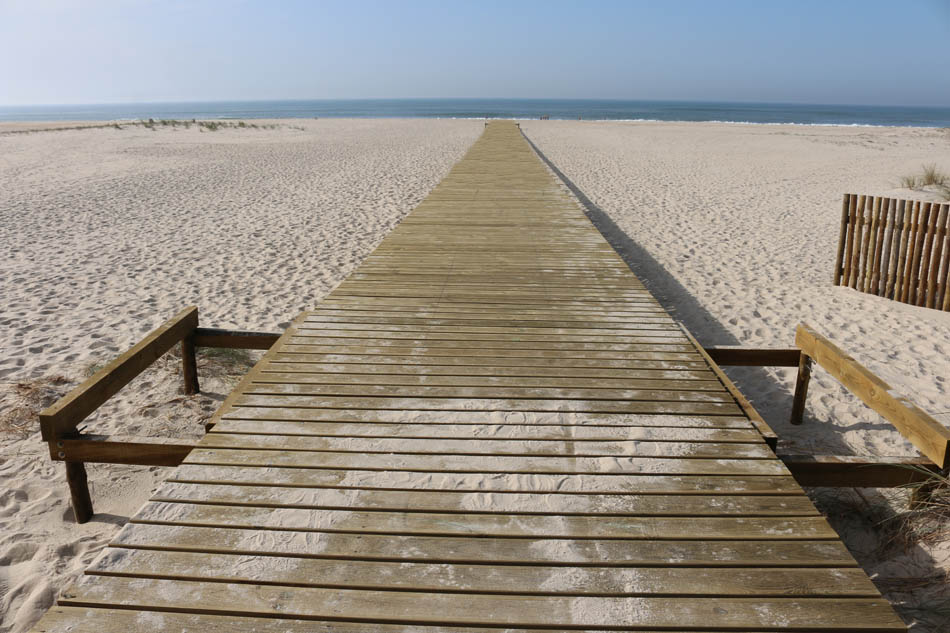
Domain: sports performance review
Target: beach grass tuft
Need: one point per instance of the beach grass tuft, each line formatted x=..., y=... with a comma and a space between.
x=933, y=176
x=26, y=399
x=930, y=176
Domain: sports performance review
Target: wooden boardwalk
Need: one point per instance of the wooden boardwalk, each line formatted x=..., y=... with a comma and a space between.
x=490, y=424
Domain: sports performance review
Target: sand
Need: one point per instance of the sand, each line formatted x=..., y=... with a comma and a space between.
x=107, y=232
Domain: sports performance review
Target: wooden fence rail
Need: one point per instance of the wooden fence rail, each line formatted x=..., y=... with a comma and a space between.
x=929, y=437
x=898, y=249
x=59, y=423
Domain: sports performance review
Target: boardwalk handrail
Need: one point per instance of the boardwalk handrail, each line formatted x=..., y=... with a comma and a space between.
x=59, y=422
x=928, y=435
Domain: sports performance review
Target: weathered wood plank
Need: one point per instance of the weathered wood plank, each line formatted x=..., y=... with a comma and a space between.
x=807, y=528
x=487, y=446
x=504, y=432
x=486, y=502
x=772, y=554
x=487, y=463
x=489, y=419
x=487, y=482
x=486, y=579
x=702, y=406
x=854, y=614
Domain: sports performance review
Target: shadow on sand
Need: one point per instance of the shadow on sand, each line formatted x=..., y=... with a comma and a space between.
x=850, y=520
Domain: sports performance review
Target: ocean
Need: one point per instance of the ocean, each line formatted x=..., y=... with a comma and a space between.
x=588, y=109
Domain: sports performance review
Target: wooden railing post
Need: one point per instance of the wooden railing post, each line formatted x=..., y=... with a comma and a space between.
x=801, y=389
x=189, y=365
x=79, y=491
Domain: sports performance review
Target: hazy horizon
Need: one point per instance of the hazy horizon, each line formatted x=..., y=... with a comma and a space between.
x=489, y=98
x=65, y=52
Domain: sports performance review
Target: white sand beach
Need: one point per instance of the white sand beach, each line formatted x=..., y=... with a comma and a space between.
x=107, y=232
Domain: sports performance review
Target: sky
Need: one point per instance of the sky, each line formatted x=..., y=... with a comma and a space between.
x=792, y=51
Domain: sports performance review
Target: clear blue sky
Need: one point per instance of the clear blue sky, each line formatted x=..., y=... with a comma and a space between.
x=824, y=51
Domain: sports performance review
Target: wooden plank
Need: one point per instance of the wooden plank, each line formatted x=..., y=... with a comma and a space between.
x=454, y=346
x=486, y=463
x=486, y=579
x=497, y=361
x=541, y=340
x=489, y=419
x=486, y=482
x=772, y=554
x=853, y=614
x=698, y=381
x=499, y=432
x=669, y=407
x=805, y=528
x=927, y=434
x=689, y=392
x=644, y=352
x=74, y=407
x=106, y=620
x=487, y=446
x=487, y=503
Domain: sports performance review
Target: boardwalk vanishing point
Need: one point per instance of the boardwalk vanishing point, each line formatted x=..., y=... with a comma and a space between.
x=491, y=424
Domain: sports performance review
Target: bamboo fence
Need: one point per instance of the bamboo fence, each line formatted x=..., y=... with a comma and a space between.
x=898, y=249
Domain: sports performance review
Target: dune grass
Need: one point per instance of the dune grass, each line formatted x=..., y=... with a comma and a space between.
x=26, y=399
x=154, y=125
x=930, y=176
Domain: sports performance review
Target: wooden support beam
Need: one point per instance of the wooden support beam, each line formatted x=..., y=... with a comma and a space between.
x=63, y=416
x=83, y=449
x=835, y=471
x=801, y=389
x=213, y=337
x=189, y=366
x=930, y=437
x=754, y=357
